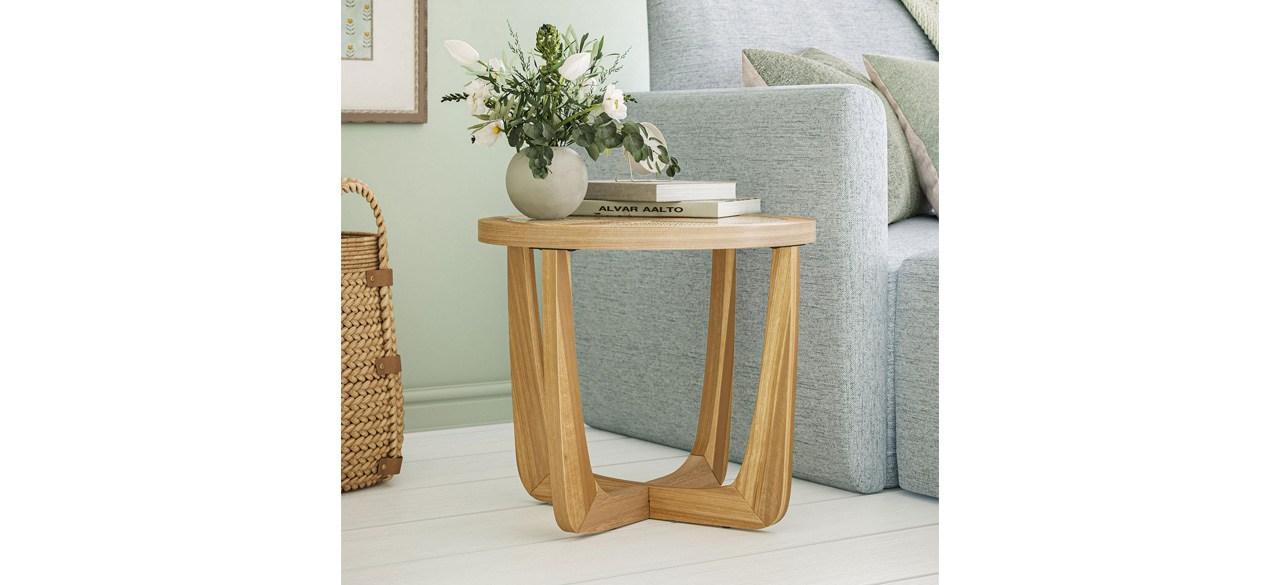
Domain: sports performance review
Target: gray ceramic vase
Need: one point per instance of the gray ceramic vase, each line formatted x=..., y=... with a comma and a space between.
x=554, y=197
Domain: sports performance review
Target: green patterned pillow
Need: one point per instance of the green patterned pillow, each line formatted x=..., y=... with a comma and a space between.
x=770, y=68
x=926, y=14
x=911, y=87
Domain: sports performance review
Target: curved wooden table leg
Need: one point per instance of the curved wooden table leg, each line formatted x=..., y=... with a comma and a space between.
x=762, y=490
x=712, y=440
x=580, y=504
x=526, y=373
x=765, y=478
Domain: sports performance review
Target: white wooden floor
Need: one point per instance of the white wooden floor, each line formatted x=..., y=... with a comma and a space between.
x=458, y=514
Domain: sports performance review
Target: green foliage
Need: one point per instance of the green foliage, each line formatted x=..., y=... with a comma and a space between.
x=541, y=109
x=548, y=46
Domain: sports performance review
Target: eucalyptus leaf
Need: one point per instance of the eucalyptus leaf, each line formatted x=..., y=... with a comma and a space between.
x=632, y=143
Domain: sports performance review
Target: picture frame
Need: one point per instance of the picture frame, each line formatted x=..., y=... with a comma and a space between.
x=385, y=79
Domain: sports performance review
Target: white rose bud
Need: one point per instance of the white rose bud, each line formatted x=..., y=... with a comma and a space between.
x=575, y=66
x=461, y=52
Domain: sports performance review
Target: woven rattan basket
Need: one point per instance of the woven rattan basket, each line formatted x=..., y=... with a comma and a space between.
x=372, y=392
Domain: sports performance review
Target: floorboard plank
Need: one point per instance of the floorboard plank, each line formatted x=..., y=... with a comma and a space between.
x=489, y=439
x=924, y=580
x=401, y=506
x=869, y=560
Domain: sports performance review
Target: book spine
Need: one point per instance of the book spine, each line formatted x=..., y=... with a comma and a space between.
x=659, y=192
x=610, y=193
x=705, y=209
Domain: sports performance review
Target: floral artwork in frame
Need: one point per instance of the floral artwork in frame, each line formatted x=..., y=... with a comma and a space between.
x=357, y=30
x=384, y=61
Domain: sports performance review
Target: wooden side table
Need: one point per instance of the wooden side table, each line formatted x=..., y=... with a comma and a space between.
x=551, y=446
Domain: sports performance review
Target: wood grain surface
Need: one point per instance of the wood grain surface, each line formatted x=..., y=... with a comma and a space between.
x=647, y=233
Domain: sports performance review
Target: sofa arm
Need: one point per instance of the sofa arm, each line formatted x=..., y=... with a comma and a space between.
x=815, y=151
x=793, y=147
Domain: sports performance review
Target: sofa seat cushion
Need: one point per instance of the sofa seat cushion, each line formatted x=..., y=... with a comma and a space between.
x=916, y=236
x=913, y=296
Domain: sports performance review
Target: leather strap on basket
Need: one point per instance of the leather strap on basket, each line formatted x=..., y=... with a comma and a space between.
x=350, y=185
x=377, y=278
x=390, y=466
x=387, y=365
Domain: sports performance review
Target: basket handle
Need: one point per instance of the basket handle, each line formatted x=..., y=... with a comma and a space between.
x=350, y=185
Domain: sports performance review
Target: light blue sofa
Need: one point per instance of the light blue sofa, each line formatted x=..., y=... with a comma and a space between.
x=867, y=387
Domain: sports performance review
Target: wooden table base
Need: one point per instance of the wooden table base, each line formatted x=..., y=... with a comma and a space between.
x=551, y=447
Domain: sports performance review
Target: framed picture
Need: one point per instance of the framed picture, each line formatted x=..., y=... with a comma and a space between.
x=384, y=61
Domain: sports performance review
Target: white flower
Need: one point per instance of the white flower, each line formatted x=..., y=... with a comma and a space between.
x=575, y=66
x=489, y=134
x=497, y=65
x=478, y=91
x=462, y=52
x=614, y=103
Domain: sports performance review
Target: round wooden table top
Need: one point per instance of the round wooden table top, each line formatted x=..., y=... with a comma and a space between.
x=648, y=233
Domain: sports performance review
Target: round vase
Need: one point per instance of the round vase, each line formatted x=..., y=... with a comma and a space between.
x=554, y=197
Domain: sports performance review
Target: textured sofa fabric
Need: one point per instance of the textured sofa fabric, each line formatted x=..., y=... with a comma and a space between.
x=916, y=375
x=642, y=316
x=913, y=319
x=771, y=68
x=698, y=43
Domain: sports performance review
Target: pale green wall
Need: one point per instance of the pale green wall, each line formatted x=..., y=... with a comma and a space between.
x=450, y=290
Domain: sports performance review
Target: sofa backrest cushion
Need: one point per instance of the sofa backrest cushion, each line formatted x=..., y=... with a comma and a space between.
x=696, y=44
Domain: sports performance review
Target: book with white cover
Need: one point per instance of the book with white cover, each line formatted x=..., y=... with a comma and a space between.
x=660, y=191
x=707, y=208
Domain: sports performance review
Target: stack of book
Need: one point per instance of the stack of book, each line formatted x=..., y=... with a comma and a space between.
x=665, y=199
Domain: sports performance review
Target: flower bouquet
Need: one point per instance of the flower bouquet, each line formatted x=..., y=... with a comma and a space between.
x=560, y=94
